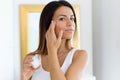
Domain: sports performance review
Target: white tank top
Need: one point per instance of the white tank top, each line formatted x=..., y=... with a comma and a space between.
x=41, y=74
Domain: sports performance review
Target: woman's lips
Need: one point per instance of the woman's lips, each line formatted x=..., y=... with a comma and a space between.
x=69, y=30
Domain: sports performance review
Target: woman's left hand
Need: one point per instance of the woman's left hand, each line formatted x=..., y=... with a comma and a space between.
x=53, y=42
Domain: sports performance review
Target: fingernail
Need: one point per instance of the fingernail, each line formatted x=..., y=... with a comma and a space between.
x=61, y=31
x=52, y=21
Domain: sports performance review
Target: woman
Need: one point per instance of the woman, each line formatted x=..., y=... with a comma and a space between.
x=59, y=60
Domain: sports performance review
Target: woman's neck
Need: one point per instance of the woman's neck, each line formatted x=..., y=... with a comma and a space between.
x=62, y=47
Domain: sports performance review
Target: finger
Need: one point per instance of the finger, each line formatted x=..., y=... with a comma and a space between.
x=28, y=60
x=60, y=36
x=27, y=65
x=53, y=26
x=46, y=35
x=49, y=29
x=27, y=69
x=28, y=75
x=30, y=56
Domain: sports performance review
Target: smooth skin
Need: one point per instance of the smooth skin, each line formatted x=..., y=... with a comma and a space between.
x=61, y=28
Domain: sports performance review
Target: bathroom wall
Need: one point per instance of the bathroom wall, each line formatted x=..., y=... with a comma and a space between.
x=106, y=39
x=6, y=40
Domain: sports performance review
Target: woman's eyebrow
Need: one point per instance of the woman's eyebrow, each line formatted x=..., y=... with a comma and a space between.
x=65, y=15
x=62, y=15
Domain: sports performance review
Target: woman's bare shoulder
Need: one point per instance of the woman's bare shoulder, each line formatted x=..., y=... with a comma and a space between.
x=79, y=51
x=80, y=54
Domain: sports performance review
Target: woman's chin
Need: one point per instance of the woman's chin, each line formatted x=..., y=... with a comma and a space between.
x=67, y=37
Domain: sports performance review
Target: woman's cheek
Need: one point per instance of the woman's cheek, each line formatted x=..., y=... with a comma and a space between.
x=58, y=27
x=57, y=30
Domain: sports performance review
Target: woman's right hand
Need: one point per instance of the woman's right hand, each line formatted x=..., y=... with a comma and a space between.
x=27, y=69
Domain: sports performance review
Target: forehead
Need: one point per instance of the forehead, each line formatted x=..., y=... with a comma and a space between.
x=63, y=10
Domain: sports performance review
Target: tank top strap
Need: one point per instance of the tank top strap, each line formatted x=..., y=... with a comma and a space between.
x=70, y=55
x=68, y=60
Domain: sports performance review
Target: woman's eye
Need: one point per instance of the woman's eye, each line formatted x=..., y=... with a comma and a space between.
x=62, y=19
x=72, y=19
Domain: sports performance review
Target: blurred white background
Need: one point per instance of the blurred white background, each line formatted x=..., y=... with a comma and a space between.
x=99, y=33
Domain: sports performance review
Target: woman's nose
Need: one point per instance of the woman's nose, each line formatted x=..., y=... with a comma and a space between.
x=69, y=22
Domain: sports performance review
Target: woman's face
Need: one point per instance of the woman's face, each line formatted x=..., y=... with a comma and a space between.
x=64, y=20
